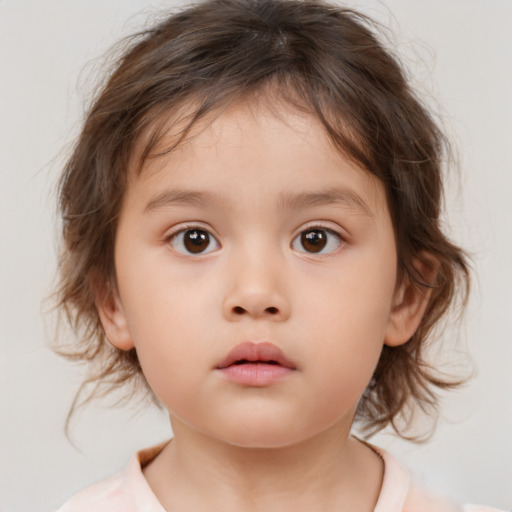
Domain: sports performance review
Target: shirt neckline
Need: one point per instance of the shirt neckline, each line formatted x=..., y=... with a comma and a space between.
x=392, y=496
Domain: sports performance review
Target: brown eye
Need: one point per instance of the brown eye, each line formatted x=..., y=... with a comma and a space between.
x=314, y=240
x=317, y=240
x=194, y=241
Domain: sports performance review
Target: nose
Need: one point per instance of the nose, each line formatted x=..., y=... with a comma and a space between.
x=257, y=291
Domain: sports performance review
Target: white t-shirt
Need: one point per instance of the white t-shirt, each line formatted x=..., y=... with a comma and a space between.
x=128, y=491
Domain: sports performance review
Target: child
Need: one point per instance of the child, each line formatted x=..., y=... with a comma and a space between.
x=252, y=236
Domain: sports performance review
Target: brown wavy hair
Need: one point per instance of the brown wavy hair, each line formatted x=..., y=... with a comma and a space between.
x=320, y=58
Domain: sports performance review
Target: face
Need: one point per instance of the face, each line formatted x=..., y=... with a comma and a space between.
x=255, y=231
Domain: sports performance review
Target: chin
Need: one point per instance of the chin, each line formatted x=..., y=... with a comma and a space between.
x=262, y=441
x=264, y=435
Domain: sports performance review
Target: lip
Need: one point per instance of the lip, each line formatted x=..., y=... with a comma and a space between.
x=256, y=352
x=263, y=364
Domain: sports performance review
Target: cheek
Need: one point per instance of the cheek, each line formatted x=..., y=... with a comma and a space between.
x=161, y=299
x=172, y=358
x=167, y=331
x=348, y=326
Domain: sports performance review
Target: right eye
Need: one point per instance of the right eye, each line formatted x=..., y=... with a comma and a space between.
x=194, y=241
x=317, y=240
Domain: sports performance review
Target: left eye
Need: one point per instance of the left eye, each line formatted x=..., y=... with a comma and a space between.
x=317, y=241
x=194, y=241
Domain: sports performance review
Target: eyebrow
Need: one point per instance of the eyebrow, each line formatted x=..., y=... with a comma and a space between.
x=180, y=197
x=338, y=197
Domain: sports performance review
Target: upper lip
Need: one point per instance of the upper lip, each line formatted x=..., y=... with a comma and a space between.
x=250, y=351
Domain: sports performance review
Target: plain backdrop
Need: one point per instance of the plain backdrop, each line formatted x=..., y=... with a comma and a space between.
x=459, y=53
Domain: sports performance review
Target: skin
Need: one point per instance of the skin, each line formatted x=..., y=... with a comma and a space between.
x=285, y=446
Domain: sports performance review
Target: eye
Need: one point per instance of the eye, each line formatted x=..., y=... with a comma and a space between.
x=317, y=241
x=194, y=241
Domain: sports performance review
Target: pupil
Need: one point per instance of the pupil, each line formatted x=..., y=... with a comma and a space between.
x=313, y=240
x=196, y=241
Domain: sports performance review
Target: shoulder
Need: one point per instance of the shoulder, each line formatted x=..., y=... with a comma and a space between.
x=108, y=495
x=418, y=500
x=126, y=491
x=480, y=508
x=400, y=494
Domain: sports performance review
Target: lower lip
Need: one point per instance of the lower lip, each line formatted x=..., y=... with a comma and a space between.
x=256, y=374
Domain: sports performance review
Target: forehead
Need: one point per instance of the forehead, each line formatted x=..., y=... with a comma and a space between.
x=257, y=144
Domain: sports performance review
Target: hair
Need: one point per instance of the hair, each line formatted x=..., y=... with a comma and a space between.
x=317, y=57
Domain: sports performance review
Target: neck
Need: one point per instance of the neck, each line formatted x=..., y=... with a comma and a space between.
x=330, y=471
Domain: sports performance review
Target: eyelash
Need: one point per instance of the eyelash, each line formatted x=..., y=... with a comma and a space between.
x=332, y=237
x=320, y=243
x=174, y=239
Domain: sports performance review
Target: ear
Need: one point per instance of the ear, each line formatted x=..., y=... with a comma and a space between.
x=410, y=302
x=112, y=317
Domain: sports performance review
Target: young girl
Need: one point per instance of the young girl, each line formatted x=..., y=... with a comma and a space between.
x=252, y=237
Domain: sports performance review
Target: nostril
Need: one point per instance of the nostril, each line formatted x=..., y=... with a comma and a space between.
x=238, y=310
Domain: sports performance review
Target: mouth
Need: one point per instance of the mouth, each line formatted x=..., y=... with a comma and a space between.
x=256, y=365
x=249, y=353
x=246, y=361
